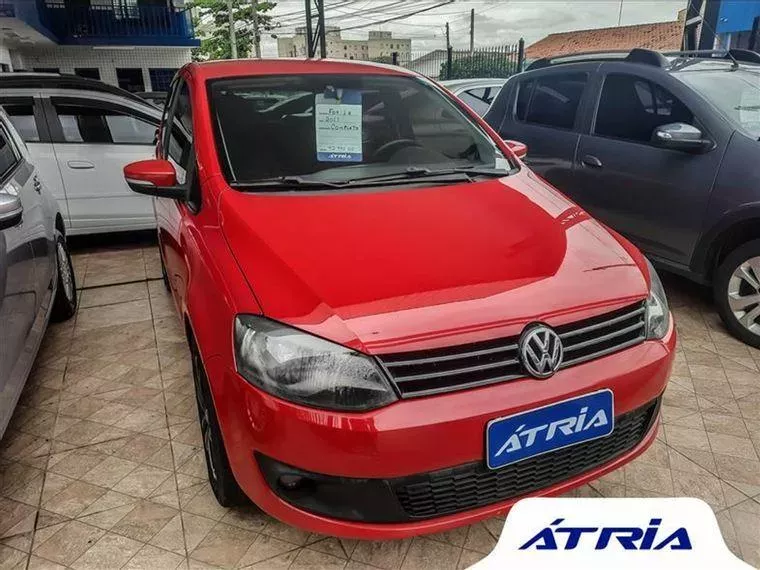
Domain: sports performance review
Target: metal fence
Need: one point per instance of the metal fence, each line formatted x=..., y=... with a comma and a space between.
x=495, y=61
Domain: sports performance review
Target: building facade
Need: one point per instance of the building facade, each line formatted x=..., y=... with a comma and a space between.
x=135, y=44
x=734, y=24
x=378, y=45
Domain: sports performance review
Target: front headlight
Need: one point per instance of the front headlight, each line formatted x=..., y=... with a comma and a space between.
x=296, y=366
x=658, y=313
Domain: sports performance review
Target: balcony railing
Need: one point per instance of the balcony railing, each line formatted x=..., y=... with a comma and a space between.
x=118, y=24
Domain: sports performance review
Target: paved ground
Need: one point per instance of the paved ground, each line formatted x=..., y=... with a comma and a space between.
x=102, y=465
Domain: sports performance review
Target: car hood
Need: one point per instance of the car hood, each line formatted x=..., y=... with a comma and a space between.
x=396, y=269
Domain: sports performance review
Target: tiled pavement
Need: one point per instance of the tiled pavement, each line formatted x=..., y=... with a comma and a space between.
x=102, y=465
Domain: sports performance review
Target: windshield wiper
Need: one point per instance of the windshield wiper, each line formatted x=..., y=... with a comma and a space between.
x=281, y=183
x=410, y=175
x=416, y=172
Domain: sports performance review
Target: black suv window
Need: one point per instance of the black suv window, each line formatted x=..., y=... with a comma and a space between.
x=552, y=100
x=632, y=108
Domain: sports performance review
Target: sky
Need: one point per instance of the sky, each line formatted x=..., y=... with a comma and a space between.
x=497, y=22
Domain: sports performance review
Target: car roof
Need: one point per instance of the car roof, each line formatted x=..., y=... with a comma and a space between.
x=210, y=70
x=666, y=61
x=473, y=81
x=27, y=80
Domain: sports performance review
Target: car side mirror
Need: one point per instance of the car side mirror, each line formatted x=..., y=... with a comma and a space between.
x=10, y=210
x=520, y=149
x=681, y=136
x=154, y=177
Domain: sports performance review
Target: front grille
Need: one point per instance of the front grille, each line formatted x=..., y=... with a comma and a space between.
x=474, y=485
x=427, y=372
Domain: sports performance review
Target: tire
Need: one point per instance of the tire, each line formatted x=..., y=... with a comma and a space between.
x=65, y=302
x=226, y=489
x=164, y=275
x=736, y=290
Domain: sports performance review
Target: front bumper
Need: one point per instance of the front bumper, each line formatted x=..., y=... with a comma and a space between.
x=415, y=445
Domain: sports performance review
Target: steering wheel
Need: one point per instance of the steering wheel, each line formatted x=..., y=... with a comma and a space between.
x=390, y=148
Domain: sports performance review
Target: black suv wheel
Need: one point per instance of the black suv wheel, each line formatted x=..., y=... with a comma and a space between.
x=736, y=288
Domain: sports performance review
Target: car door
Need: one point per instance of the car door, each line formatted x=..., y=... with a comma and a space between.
x=93, y=140
x=545, y=111
x=19, y=301
x=654, y=196
x=176, y=147
x=27, y=115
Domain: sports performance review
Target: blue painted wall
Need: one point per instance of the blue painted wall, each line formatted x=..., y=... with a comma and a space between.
x=737, y=15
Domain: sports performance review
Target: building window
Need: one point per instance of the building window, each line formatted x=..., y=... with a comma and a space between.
x=161, y=78
x=130, y=79
x=88, y=72
x=47, y=69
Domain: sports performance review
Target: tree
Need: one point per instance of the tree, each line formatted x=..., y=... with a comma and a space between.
x=212, y=25
x=489, y=62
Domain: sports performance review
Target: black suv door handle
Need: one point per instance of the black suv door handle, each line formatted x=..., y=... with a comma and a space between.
x=592, y=161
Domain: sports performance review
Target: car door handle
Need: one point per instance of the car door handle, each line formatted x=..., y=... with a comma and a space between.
x=592, y=161
x=80, y=164
x=37, y=184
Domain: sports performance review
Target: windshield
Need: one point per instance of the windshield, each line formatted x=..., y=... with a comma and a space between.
x=336, y=128
x=735, y=93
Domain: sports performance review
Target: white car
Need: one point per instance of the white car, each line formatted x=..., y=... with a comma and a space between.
x=478, y=94
x=80, y=133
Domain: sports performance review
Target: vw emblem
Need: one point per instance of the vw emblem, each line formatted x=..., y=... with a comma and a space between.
x=540, y=351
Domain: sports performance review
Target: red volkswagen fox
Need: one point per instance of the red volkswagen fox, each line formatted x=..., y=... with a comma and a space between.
x=395, y=326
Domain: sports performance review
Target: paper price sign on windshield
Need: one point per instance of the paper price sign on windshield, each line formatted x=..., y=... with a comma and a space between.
x=338, y=123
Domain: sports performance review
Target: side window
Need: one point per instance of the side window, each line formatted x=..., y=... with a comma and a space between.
x=8, y=157
x=479, y=99
x=552, y=101
x=178, y=127
x=83, y=124
x=524, y=92
x=95, y=125
x=22, y=118
x=128, y=129
x=631, y=108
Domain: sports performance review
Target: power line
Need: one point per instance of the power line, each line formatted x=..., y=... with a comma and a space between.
x=401, y=17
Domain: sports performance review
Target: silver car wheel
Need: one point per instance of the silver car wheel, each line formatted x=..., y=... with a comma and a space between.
x=64, y=270
x=744, y=294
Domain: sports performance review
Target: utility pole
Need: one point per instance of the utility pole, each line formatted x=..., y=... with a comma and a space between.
x=472, y=30
x=256, y=31
x=448, y=36
x=314, y=37
x=233, y=39
x=620, y=14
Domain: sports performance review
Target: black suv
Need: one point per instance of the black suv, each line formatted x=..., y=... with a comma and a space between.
x=662, y=147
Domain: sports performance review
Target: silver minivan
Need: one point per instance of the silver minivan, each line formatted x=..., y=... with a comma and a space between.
x=36, y=276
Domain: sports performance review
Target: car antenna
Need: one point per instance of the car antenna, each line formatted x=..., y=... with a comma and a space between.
x=735, y=64
x=729, y=55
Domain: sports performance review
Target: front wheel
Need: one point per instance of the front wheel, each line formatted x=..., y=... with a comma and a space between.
x=736, y=289
x=226, y=489
x=65, y=303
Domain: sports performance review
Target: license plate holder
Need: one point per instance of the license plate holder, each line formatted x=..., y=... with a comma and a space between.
x=531, y=433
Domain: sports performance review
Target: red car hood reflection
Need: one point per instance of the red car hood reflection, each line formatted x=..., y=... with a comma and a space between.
x=396, y=269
